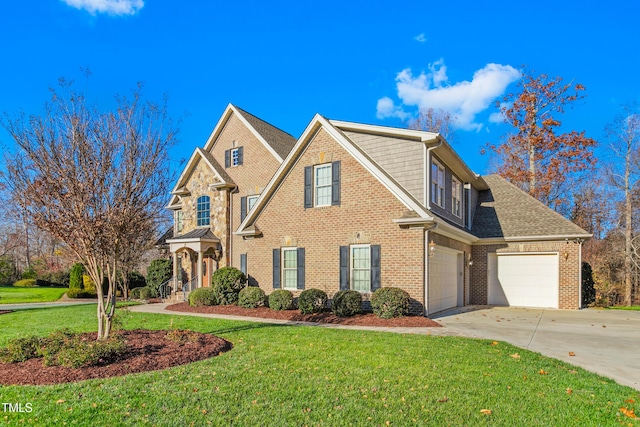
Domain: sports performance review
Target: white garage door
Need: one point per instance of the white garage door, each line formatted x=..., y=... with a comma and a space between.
x=445, y=280
x=523, y=280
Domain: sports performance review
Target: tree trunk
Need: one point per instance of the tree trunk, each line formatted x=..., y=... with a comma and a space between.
x=532, y=169
x=627, y=234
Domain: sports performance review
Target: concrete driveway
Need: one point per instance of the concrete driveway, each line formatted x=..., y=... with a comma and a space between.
x=606, y=342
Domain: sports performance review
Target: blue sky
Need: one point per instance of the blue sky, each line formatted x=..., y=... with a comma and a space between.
x=371, y=62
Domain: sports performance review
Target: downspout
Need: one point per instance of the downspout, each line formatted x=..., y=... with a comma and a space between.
x=426, y=273
x=427, y=184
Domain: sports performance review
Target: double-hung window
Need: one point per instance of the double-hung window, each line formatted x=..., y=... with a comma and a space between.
x=251, y=201
x=437, y=183
x=233, y=157
x=179, y=221
x=322, y=185
x=203, y=211
x=360, y=267
x=288, y=268
x=456, y=197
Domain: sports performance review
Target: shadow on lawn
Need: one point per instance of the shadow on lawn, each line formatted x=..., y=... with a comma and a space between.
x=246, y=327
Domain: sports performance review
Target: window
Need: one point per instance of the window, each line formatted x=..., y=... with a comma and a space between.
x=437, y=183
x=251, y=201
x=179, y=222
x=203, y=211
x=360, y=268
x=322, y=185
x=456, y=197
x=288, y=268
x=233, y=157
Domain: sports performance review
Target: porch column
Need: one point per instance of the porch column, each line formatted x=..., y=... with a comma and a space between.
x=200, y=269
x=176, y=269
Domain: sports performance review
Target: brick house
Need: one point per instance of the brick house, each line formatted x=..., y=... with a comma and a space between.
x=353, y=206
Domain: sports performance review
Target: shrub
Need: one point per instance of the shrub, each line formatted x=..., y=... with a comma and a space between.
x=251, y=297
x=202, y=297
x=312, y=301
x=81, y=293
x=180, y=336
x=346, y=303
x=73, y=351
x=31, y=273
x=227, y=283
x=588, y=285
x=25, y=283
x=280, y=299
x=75, y=276
x=20, y=349
x=390, y=302
x=158, y=272
x=87, y=283
x=145, y=293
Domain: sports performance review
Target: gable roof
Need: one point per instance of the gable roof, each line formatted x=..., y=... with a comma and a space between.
x=276, y=141
x=317, y=123
x=506, y=212
x=224, y=180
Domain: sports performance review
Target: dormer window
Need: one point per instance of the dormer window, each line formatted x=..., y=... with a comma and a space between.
x=437, y=183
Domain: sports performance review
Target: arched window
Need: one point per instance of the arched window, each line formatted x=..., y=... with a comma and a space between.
x=203, y=211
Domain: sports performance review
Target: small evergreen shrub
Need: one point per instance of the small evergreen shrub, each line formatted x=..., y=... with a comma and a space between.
x=20, y=349
x=145, y=293
x=25, y=283
x=346, y=303
x=390, y=302
x=202, y=297
x=81, y=293
x=251, y=297
x=280, y=299
x=159, y=271
x=75, y=276
x=227, y=283
x=312, y=301
x=87, y=283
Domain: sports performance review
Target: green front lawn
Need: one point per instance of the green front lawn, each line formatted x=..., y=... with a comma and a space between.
x=11, y=295
x=289, y=375
x=625, y=307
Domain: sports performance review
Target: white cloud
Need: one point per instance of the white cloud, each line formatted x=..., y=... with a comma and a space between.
x=386, y=108
x=110, y=7
x=464, y=100
x=420, y=38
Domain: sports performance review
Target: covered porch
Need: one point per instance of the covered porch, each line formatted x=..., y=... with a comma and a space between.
x=196, y=256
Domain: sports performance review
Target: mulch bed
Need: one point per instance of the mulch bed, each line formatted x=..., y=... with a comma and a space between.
x=365, y=319
x=146, y=351
x=5, y=311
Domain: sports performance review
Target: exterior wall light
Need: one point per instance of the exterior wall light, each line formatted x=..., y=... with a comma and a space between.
x=432, y=248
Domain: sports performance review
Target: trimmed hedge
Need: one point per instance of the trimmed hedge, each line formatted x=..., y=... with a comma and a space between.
x=81, y=293
x=281, y=299
x=251, y=297
x=312, y=301
x=227, y=283
x=390, y=302
x=346, y=303
x=202, y=297
x=25, y=283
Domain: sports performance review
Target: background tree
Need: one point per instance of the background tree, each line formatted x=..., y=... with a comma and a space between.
x=435, y=120
x=624, y=170
x=94, y=180
x=536, y=156
x=159, y=271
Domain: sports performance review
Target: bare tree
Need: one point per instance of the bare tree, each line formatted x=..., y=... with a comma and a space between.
x=95, y=180
x=435, y=120
x=624, y=138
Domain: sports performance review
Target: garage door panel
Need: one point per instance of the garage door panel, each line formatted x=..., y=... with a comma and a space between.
x=526, y=280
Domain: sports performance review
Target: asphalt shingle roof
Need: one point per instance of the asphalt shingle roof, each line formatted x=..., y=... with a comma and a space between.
x=221, y=171
x=279, y=140
x=198, y=233
x=506, y=211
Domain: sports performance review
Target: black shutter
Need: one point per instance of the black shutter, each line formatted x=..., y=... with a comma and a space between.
x=276, y=269
x=300, y=284
x=227, y=158
x=375, y=267
x=243, y=208
x=335, y=183
x=308, y=187
x=243, y=263
x=240, y=156
x=344, y=268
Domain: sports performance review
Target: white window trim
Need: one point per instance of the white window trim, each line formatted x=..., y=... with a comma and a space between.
x=251, y=200
x=438, y=190
x=283, y=269
x=235, y=153
x=456, y=197
x=352, y=269
x=316, y=187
